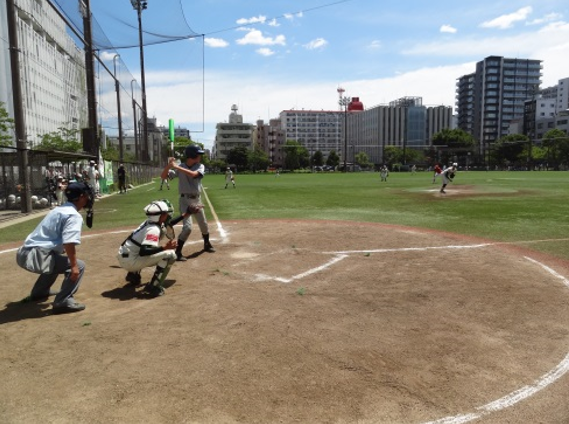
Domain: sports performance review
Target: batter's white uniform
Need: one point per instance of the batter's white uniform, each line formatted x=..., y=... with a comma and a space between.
x=148, y=234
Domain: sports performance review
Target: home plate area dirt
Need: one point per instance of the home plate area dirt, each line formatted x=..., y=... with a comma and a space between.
x=296, y=322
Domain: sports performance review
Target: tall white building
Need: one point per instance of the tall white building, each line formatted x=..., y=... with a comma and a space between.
x=232, y=134
x=52, y=70
x=316, y=130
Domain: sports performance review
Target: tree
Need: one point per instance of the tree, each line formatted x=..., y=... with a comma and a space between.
x=258, y=159
x=393, y=155
x=362, y=160
x=556, y=143
x=455, y=142
x=296, y=155
x=454, y=139
x=6, y=126
x=510, y=150
x=333, y=159
x=317, y=158
x=65, y=140
x=111, y=153
x=238, y=156
x=180, y=144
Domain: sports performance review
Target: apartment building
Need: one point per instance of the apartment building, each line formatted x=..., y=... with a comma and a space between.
x=316, y=130
x=494, y=95
x=52, y=71
x=232, y=134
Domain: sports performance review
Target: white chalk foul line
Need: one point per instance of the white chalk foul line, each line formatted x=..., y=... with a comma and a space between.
x=525, y=392
x=328, y=264
x=222, y=232
x=409, y=249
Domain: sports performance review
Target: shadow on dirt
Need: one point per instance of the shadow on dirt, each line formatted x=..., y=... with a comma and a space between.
x=130, y=291
x=18, y=311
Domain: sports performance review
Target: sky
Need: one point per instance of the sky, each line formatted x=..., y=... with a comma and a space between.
x=266, y=56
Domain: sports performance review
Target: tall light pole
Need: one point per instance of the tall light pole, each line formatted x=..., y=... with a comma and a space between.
x=139, y=6
x=343, y=102
x=136, y=150
x=117, y=89
x=19, y=116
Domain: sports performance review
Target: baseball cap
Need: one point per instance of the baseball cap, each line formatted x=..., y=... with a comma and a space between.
x=75, y=190
x=192, y=151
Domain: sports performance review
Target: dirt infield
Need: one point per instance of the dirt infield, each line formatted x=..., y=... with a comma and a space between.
x=297, y=322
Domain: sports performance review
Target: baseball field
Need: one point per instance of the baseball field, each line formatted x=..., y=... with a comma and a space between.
x=332, y=298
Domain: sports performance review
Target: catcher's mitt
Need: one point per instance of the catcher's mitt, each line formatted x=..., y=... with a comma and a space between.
x=192, y=209
x=170, y=233
x=451, y=175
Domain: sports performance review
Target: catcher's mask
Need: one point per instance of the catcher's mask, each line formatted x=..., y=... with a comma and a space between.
x=74, y=191
x=170, y=210
x=155, y=210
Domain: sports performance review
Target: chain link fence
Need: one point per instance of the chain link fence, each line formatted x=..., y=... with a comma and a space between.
x=49, y=170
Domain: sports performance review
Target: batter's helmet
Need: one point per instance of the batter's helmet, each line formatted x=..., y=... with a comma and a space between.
x=193, y=151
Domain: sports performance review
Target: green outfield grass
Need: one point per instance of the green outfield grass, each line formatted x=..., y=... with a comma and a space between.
x=503, y=206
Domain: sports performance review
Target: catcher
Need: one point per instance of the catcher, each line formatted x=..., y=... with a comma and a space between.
x=142, y=248
x=448, y=175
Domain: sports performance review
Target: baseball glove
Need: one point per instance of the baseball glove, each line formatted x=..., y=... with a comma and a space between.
x=451, y=175
x=174, y=221
x=170, y=233
x=192, y=209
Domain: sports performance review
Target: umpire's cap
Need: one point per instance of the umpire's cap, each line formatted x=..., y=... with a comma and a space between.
x=192, y=151
x=75, y=190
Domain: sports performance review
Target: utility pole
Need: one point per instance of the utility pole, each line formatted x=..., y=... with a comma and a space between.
x=139, y=6
x=19, y=119
x=90, y=135
x=117, y=89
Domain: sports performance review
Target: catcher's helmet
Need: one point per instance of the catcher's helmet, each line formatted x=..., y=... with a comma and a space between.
x=155, y=210
x=193, y=151
x=170, y=209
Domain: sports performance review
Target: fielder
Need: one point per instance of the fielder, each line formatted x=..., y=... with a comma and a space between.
x=448, y=175
x=142, y=248
x=190, y=176
x=229, y=177
x=438, y=170
x=384, y=172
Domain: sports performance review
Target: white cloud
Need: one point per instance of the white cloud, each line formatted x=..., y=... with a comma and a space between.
x=273, y=23
x=447, y=28
x=107, y=56
x=317, y=43
x=551, y=17
x=291, y=16
x=374, y=45
x=215, y=42
x=506, y=21
x=254, y=20
x=527, y=44
x=256, y=37
x=265, y=51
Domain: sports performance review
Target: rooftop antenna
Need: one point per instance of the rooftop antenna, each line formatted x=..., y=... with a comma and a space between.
x=340, y=91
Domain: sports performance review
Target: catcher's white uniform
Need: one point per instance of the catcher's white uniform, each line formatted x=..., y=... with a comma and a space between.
x=149, y=234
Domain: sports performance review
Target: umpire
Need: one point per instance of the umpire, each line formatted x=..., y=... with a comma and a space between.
x=190, y=174
x=42, y=252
